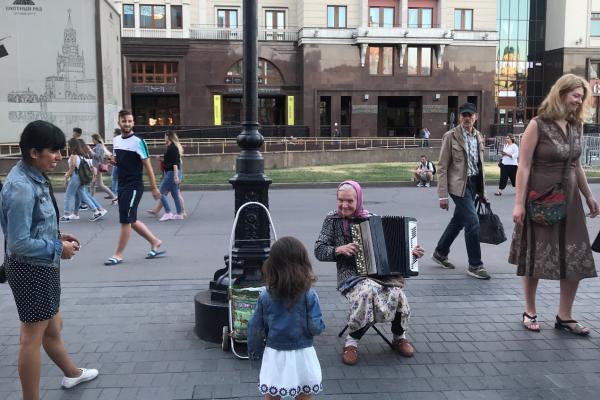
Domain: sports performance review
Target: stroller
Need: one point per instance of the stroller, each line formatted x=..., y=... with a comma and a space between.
x=242, y=300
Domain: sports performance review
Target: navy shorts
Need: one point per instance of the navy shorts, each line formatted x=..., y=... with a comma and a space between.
x=129, y=199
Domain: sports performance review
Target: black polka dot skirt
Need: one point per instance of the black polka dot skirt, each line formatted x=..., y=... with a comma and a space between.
x=36, y=289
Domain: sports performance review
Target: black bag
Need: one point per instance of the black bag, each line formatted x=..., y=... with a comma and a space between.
x=490, y=227
x=596, y=244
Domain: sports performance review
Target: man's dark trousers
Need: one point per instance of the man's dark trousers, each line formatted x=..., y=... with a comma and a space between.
x=465, y=216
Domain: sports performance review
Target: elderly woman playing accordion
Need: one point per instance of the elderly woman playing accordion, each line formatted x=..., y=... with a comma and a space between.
x=371, y=300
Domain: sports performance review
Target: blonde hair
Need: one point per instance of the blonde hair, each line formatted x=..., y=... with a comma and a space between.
x=553, y=105
x=175, y=140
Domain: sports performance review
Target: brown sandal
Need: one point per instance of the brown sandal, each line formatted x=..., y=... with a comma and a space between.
x=350, y=355
x=532, y=320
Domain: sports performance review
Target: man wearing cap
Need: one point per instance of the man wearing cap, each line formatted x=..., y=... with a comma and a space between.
x=461, y=177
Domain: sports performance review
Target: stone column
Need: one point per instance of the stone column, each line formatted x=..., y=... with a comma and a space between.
x=442, y=14
x=364, y=13
x=404, y=13
x=136, y=17
x=186, y=11
x=168, y=18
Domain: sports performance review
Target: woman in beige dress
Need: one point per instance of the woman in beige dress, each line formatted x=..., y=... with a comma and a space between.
x=560, y=251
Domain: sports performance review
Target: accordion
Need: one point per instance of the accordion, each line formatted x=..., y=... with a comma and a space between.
x=385, y=246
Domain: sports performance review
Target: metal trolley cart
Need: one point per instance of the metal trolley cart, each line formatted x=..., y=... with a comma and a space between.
x=242, y=300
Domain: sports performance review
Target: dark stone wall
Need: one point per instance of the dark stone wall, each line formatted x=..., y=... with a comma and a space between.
x=334, y=70
x=312, y=71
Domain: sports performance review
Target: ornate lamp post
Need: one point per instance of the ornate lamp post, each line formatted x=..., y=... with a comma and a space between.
x=252, y=234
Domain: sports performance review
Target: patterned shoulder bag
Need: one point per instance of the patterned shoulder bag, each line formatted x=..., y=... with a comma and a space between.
x=549, y=206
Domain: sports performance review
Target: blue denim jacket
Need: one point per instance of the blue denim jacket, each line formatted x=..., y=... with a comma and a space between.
x=282, y=329
x=28, y=217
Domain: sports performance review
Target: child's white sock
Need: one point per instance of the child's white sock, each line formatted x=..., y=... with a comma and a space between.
x=350, y=341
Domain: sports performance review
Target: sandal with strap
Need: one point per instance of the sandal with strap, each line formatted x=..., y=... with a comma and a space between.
x=532, y=320
x=577, y=329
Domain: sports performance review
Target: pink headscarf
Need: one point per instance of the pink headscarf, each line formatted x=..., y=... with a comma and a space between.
x=360, y=212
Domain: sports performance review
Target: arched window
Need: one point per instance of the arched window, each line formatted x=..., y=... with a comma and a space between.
x=268, y=74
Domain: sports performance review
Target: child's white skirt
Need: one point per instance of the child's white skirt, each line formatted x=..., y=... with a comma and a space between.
x=288, y=373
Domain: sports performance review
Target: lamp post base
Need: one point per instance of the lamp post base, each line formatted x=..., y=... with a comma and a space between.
x=211, y=317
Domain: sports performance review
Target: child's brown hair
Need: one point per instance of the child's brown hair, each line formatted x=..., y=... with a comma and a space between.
x=288, y=271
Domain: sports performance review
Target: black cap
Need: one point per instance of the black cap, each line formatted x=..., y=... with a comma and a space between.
x=467, y=108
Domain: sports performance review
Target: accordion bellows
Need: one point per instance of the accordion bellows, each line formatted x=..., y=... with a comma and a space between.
x=385, y=246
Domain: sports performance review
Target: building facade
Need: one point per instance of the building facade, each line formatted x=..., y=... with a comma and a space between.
x=573, y=44
x=374, y=67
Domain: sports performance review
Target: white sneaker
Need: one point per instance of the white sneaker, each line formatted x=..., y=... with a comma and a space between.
x=420, y=184
x=178, y=216
x=427, y=184
x=103, y=212
x=86, y=375
x=74, y=217
x=166, y=217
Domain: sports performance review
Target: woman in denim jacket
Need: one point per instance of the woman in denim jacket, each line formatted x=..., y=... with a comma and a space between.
x=34, y=247
x=287, y=316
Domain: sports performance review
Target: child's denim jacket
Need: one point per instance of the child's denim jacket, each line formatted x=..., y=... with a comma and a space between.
x=282, y=329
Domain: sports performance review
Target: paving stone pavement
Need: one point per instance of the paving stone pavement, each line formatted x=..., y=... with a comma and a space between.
x=467, y=333
x=469, y=345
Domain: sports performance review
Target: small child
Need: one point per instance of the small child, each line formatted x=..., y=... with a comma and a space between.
x=287, y=316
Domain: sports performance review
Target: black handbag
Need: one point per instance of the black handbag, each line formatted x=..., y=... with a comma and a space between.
x=491, y=229
x=596, y=244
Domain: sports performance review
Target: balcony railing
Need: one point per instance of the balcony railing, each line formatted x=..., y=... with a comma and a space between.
x=152, y=33
x=211, y=32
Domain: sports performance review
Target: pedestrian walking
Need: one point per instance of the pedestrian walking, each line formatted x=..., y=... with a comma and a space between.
x=76, y=189
x=99, y=161
x=33, y=253
x=508, y=164
x=114, y=174
x=170, y=182
x=461, y=176
x=554, y=248
x=286, y=318
x=370, y=300
x=130, y=154
x=156, y=210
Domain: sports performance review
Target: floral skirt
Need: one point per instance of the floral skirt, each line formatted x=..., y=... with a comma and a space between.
x=289, y=373
x=371, y=302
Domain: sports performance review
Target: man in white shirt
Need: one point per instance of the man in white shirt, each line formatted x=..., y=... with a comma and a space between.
x=424, y=172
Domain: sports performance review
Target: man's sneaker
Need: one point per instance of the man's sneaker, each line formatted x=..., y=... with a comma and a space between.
x=83, y=207
x=478, y=272
x=103, y=212
x=443, y=261
x=86, y=375
x=74, y=217
x=420, y=184
x=67, y=218
x=427, y=184
x=178, y=216
x=96, y=216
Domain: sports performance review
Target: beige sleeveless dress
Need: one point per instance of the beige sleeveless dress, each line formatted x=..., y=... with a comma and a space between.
x=546, y=252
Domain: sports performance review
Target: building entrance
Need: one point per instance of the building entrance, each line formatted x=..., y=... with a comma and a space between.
x=271, y=110
x=155, y=109
x=399, y=115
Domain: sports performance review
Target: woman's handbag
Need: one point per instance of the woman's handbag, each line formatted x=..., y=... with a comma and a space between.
x=491, y=229
x=596, y=244
x=102, y=167
x=549, y=206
